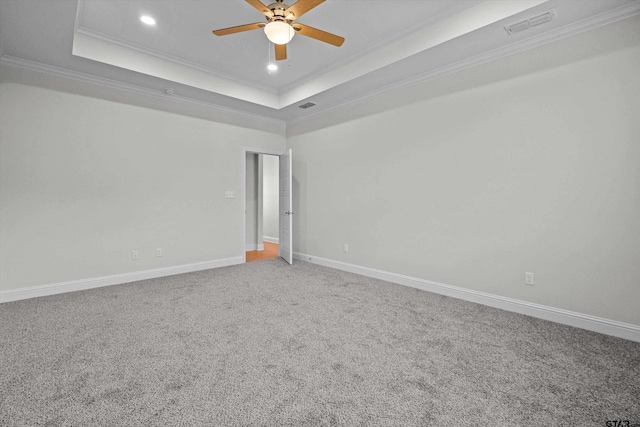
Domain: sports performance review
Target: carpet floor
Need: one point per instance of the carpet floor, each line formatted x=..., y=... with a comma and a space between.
x=267, y=344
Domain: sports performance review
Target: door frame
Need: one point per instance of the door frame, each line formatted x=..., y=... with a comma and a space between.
x=245, y=151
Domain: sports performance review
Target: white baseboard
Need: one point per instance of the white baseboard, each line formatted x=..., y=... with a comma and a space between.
x=571, y=318
x=255, y=247
x=271, y=239
x=116, y=279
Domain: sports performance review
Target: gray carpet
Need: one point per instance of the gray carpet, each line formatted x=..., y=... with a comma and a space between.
x=265, y=344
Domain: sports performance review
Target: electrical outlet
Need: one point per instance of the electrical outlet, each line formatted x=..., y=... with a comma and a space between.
x=345, y=248
x=528, y=279
x=158, y=251
x=134, y=255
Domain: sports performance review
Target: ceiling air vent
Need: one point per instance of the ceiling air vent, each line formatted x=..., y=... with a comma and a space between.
x=307, y=105
x=531, y=22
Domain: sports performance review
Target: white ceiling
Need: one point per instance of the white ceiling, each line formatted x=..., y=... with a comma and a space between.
x=388, y=44
x=183, y=32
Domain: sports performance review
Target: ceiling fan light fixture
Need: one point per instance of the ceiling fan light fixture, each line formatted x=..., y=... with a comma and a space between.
x=279, y=32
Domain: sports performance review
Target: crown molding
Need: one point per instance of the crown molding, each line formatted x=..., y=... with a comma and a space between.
x=16, y=62
x=402, y=34
x=101, y=47
x=569, y=30
x=188, y=64
x=484, y=14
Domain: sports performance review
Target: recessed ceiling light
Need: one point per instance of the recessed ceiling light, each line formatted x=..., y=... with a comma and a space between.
x=272, y=67
x=148, y=20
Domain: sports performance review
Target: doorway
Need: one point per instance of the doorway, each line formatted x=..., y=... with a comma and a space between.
x=262, y=206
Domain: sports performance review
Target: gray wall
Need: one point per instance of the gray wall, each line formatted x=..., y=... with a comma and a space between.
x=261, y=199
x=270, y=175
x=529, y=163
x=88, y=174
x=254, y=201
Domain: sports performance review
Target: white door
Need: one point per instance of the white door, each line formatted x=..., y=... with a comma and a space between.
x=286, y=215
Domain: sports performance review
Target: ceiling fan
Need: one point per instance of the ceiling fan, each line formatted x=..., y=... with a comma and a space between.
x=280, y=26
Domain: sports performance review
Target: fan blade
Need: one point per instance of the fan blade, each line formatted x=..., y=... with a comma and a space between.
x=281, y=52
x=260, y=7
x=238, y=29
x=301, y=7
x=317, y=34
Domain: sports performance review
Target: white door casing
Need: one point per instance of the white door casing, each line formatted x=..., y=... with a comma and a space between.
x=286, y=214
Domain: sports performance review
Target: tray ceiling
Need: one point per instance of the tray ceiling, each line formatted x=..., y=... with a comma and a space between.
x=388, y=43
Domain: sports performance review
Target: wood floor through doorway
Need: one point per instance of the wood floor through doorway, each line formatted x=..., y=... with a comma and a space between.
x=270, y=251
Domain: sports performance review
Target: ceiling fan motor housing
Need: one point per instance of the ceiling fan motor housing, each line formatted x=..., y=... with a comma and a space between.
x=278, y=10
